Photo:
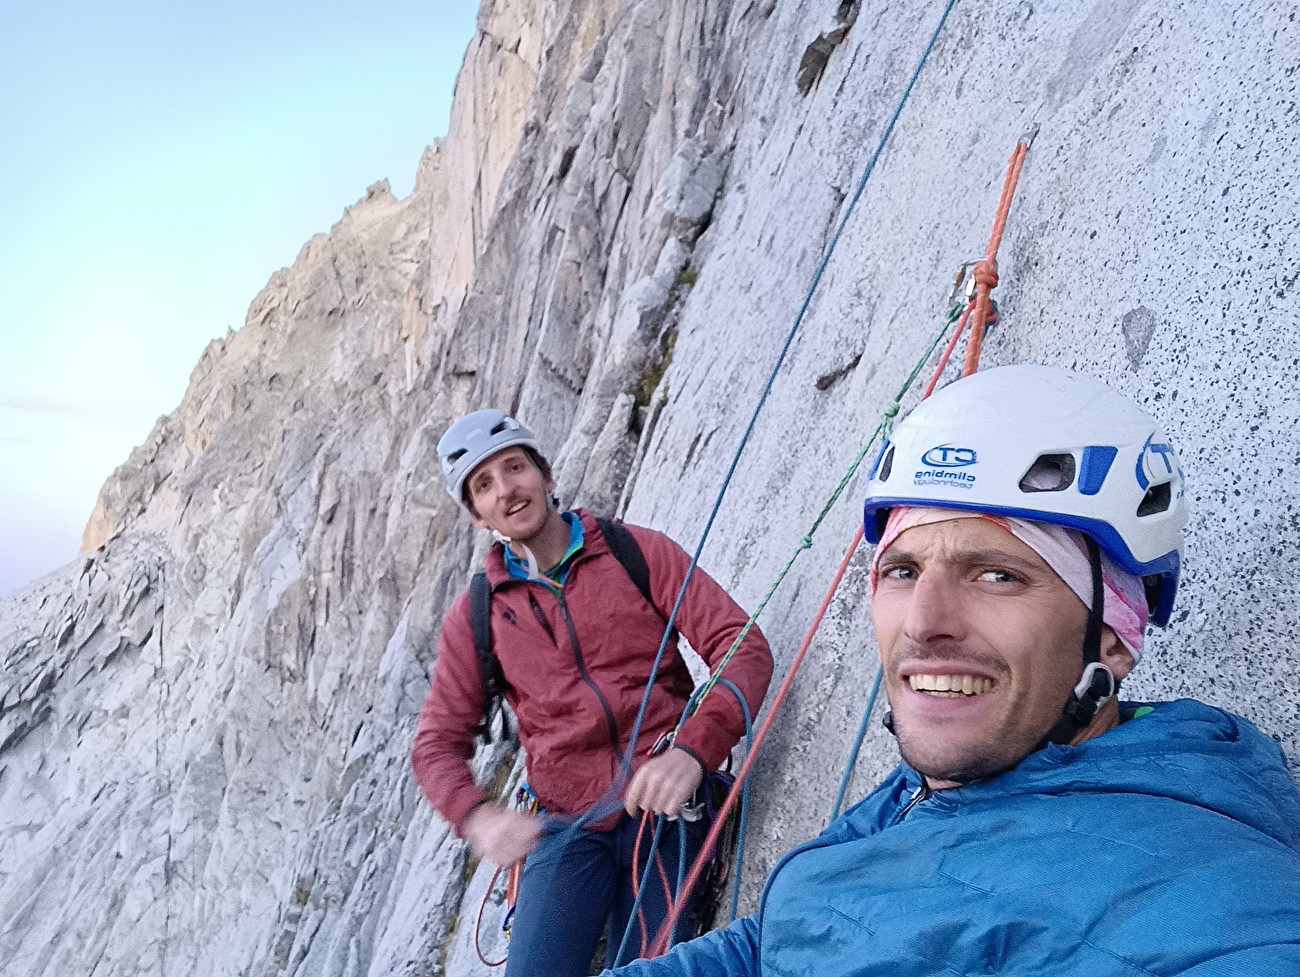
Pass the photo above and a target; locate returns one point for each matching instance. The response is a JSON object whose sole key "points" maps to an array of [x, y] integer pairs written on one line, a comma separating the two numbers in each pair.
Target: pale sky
{"points": [[158, 162]]}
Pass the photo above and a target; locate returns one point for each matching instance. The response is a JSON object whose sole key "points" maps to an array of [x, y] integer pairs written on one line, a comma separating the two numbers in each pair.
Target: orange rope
{"points": [[985, 272], [512, 884], [985, 275], [636, 877], [478, 923], [947, 352]]}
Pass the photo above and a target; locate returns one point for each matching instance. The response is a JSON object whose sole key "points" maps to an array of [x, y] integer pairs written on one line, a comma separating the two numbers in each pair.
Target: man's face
{"points": [[982, 644], [509, 494]]}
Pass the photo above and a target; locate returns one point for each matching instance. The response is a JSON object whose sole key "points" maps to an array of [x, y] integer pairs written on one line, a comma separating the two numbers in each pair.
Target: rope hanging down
{"points": [[611, 800], [660, 945], [767, 387], [984, 283]]}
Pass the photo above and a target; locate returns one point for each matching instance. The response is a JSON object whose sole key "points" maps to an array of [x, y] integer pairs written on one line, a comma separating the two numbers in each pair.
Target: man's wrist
{"points": [[704, 767], [471, 816]]}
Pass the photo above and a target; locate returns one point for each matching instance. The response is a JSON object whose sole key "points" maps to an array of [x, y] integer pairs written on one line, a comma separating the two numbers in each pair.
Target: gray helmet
{"points": [[475, 437]]}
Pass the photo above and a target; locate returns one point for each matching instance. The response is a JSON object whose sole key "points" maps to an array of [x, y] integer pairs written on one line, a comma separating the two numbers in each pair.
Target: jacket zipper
{"points": [[586, 677], [921, 794], [541, 618]]}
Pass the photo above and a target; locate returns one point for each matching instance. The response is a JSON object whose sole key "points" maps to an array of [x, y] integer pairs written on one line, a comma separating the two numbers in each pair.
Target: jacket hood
{"points": [[1183, 750]]}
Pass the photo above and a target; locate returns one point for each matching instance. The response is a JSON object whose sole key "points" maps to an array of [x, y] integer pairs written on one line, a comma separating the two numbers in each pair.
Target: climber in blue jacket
{"points": [[1028, 524]]}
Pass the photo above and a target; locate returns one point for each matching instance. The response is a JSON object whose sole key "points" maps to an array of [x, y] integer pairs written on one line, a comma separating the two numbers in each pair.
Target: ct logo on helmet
{"points": [[1157, 463], [946, 456]]}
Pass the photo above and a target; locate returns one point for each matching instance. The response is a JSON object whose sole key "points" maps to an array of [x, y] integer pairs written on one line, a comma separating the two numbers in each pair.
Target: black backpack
{"points": [[625, 549]]}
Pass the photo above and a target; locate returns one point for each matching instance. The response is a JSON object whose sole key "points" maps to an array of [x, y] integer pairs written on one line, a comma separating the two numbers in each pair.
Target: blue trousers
{"points": [[576, 884]]}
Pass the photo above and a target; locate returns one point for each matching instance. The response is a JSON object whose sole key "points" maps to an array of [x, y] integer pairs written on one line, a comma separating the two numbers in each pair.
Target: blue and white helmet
{"points": [[1049, 445], [474, 438]]}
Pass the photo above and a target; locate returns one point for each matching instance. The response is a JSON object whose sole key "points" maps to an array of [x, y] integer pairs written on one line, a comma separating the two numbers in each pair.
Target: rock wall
{"points": [[204, 722]]}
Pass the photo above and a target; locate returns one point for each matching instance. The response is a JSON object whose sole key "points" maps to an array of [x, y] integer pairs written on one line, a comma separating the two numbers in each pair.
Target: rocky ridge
{"points": [[204, 722]]}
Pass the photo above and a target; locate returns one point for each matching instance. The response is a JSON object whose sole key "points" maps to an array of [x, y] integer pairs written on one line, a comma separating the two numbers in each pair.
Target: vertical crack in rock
{"points": [[812, 65]]}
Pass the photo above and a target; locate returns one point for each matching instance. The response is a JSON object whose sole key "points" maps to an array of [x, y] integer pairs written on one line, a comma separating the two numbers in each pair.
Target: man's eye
{"points": [[898, 573], [999, 576]]}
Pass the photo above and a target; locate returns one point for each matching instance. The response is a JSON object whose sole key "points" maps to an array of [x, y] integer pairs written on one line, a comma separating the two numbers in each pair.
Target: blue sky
{"points": [[160, 161]]}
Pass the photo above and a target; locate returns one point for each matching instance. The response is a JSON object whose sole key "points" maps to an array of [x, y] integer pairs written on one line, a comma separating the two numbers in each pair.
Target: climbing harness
{"points": [[726, 854]]}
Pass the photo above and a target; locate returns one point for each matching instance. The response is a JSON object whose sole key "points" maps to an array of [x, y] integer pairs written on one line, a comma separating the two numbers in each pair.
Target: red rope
{"points": [[478, 923], [636, 880], [986, 278], [661, 941], [947, 352], [985, 272]]}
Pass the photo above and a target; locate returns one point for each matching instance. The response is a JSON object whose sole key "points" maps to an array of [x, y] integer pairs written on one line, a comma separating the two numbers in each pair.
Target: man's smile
{"points": [[950, 686]]}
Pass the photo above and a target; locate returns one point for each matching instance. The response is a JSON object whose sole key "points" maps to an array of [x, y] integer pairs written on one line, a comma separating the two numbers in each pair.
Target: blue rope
{"points": [[767, 387], [738, 861], [681, 870], [857, 744], [610, 800]]}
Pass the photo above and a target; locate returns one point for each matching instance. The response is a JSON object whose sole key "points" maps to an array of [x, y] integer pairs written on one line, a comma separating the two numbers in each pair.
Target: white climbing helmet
{"points": [[1049, 445], [475, 437]]}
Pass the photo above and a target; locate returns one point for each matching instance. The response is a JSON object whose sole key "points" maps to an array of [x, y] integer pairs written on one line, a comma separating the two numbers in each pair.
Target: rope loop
{"points": [[888, 417], [985, 273]]}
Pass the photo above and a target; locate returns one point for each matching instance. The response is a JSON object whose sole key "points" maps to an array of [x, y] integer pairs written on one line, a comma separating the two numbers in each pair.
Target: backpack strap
{"points": [[494, 682], [622, 544], [627, 551]]}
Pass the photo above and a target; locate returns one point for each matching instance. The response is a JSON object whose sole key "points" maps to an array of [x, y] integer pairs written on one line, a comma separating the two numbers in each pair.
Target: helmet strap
{"points": [[1098, 684], [534, 571]]}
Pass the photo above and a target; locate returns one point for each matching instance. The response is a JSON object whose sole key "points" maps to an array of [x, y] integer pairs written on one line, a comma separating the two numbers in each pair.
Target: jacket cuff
{"points": [[459, 809], [694, 756], [710, 751]]}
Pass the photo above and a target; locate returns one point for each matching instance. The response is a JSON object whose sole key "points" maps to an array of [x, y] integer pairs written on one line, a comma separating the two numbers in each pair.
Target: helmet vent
{"points": [[886, 464], [1050, 473], [456, 456], [499, 427], [1157, 499]]}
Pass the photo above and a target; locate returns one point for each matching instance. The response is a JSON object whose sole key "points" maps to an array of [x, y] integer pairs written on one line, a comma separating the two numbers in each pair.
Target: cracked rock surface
{"points": [[205, 720]]}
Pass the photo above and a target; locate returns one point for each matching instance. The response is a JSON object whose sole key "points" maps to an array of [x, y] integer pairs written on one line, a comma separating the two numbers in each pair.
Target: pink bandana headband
{"points": [[1125, 611]]}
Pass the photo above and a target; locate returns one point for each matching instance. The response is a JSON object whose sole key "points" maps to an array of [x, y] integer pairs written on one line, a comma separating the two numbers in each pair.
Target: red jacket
{"points": [[576, 667]]}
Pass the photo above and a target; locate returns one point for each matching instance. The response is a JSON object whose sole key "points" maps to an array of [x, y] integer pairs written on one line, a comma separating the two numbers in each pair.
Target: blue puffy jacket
{"points": [[1169, 845]]}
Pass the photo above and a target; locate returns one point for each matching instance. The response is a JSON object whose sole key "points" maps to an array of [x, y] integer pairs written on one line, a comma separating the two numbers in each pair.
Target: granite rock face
{"points": [[204, 723]]}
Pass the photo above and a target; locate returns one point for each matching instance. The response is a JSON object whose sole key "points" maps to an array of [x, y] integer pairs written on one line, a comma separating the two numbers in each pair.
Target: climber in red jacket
{"points": [[575, 638]]}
